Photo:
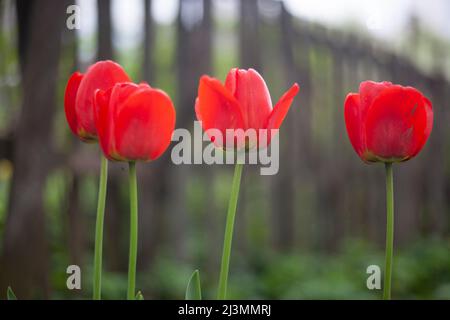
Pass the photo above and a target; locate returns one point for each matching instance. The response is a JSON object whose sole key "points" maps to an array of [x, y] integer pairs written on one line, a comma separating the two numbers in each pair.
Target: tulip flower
{"points": [[243, 102], [388, 123], [134, 123], [79, 95], [79, 109]]}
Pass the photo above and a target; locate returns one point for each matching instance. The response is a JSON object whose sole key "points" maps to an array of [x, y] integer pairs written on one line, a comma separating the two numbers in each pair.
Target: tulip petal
{"points": [[231, 80], [369, 91], [70, 96], [278, 114], [144, 125], [120, 94], [429, 124], [108, 105], [354, 124], [101, 75], [281, 109], [250, 89], [101, 105], [217, 108], [398, 124]]}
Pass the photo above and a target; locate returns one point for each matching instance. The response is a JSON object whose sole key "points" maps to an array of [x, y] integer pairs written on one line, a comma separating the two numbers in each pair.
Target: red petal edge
{"points": [[70, 96]]}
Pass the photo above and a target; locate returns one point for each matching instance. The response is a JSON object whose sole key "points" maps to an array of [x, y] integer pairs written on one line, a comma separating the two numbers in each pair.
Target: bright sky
{"points": [[384, 18]]}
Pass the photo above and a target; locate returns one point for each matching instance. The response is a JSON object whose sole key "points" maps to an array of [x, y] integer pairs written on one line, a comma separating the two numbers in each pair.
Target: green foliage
{"points": [[193, 289], [6, 169], [164, 60], [10, 89], [420, 272], [166, 279], [139, 296], [10, 294]]}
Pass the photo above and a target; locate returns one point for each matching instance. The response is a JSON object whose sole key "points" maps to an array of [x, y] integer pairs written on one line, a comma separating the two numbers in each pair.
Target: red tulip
{"points": [[134, 122], [79, 95], [386, 122], [242, 103]]}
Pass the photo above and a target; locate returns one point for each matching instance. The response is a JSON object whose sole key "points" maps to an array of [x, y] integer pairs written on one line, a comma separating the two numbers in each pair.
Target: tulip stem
{"points": [[133, 232], [98, 251], [232, 204], [389, 231]]}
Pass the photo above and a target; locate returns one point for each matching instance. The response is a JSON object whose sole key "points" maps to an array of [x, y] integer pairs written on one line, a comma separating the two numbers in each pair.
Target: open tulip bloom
{"points": [[388, 123], [242, 103], [134, 123], [79, 109]]}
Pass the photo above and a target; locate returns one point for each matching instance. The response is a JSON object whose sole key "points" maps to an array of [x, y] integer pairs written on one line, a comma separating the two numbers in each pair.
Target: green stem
{"points": [[389, 231], [133, 232], [99, 229], [229, 232]]}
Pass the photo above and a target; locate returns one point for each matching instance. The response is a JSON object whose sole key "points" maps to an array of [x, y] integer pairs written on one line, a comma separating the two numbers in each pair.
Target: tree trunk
{"points": [[193, 59], [24, 263], [148, 41], [105, 47], [249, 35], [283, 184]]}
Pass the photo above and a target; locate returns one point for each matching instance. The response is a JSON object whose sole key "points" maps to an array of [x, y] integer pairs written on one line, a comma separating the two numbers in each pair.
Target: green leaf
{"points": [[194, 290], [139, 296], [10, 294]]}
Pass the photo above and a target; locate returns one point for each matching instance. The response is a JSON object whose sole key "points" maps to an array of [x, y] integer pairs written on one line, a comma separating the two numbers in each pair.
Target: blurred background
{"points": [[308, 232]]}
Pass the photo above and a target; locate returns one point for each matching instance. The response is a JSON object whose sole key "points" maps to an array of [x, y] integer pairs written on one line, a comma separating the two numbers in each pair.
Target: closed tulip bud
{"points": [[387, 122], [79, 95], [134, 122]]}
